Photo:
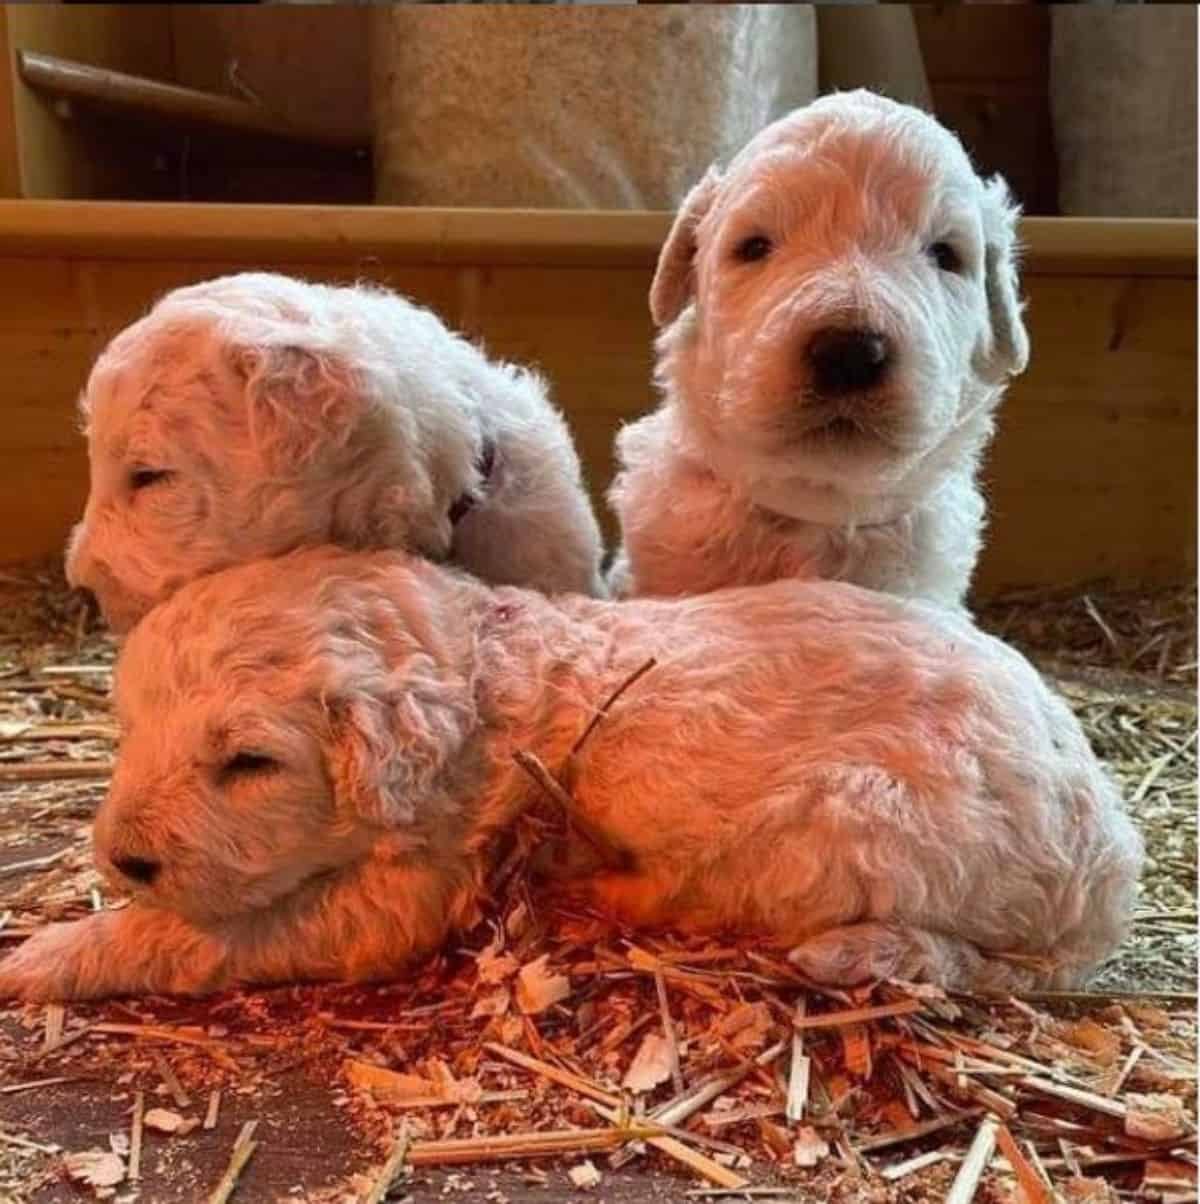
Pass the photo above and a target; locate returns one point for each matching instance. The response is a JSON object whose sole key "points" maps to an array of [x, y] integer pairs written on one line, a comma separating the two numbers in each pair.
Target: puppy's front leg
{"points": [[137, 950]]}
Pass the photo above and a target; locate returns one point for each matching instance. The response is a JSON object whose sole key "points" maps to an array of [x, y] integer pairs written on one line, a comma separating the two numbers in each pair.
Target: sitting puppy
{"points": [[839, 319], [254, 414], [318, 752]]}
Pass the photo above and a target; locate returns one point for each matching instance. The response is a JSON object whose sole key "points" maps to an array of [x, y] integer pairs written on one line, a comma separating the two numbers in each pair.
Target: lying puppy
{"points": [[318, 752], [839, 320], [253, 414]]}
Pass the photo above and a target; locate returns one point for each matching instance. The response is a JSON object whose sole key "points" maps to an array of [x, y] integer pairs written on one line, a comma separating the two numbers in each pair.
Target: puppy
{"points": [[839, 319], [318, 756], [253, 414]]}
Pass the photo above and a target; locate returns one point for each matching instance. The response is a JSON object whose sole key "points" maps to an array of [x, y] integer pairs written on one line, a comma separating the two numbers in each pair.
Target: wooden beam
{"points": [[544, 238], [66, 79]]}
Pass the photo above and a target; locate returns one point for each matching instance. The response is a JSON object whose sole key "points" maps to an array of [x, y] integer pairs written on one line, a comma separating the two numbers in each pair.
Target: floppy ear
{"points": [[1007, 352], [389, 753], [674, 280], [299, 395]]}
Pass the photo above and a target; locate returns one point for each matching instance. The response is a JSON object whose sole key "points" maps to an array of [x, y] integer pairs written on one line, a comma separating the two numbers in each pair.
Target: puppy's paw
{"points": [[59, 962]]}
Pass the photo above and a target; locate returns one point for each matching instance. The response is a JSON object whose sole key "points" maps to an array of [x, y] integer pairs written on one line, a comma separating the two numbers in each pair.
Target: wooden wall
{"points": [[1093, 472]]}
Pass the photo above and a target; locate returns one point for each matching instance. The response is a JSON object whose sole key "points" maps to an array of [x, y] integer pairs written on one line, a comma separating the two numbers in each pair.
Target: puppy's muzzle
{"points": [[842, 361]]}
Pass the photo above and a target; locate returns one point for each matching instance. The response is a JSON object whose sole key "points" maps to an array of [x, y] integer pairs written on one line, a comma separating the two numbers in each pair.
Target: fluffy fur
{"points": [[317, 753], [750, 470], [253, 414]]}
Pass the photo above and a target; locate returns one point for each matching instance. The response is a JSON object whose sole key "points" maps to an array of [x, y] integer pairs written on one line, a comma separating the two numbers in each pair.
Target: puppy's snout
{"points": [[138, 869], [847, 360]]}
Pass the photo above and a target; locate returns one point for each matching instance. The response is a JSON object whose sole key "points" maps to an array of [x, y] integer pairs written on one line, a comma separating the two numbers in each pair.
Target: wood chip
{"points": [[243, 1148], [214, 1108], [96, 1168], [585, 1176], [809, 1147], [181, 1097], [538, 988], [135, 1136], [903, 1007], [966, 1182], [389, 1173], [1155, 1118], [651, 1065], [163, 1120], [1033, 1189], [910, 1166]]}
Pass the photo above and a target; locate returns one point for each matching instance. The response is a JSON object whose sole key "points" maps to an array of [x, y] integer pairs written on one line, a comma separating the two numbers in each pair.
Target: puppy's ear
{"points": [[1007, 352], [299, 395], [674, 280], [389, 753]]}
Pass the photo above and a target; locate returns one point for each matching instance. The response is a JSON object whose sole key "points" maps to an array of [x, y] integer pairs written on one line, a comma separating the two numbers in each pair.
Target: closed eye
{"points": [[143, 478], [247, 765]]}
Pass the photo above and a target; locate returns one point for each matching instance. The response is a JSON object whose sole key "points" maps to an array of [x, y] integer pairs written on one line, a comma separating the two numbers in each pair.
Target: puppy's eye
{"points": [[247, 765], [945, 256], [752, 249], [143, 478]]}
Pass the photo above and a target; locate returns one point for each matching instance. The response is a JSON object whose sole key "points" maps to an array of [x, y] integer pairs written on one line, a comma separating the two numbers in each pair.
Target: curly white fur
{"points": [[253, 414], [749, 471], [318, 751]]}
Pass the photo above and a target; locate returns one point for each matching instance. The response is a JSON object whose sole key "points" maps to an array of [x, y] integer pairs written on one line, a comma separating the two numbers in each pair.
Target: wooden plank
{"points": [[349, 235]]}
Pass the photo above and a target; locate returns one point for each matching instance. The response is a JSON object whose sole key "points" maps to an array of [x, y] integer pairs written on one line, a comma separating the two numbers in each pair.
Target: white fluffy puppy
{"points": [[318, 751], [253, 414], [839, 319]]}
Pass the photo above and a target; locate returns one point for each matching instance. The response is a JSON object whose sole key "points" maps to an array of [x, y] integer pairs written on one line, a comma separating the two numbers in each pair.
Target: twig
{"points": [[664, 1007], [56, 1016], [598, 717], [14, 1088], [563, 1077], [797, 1093], [901, 1170], [242, 1149], [903, 1007], [1084, 1099], [1032, 1187], [669, 1144], [388, 1173], [466, 1150], [135, 1137], [925, 1129], [181, 1097], [966, 1182], [54, 771], [34, 863], [611, 856]]}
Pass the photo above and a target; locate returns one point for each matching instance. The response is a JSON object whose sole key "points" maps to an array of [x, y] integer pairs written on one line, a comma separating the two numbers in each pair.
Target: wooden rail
{"points": [[150, 98], [547, 238]]}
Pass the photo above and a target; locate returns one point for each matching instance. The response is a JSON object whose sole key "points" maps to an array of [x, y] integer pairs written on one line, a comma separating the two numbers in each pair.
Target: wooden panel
{"points": [[67, 158], [1092, 474], [307, 64], [988, 68]]}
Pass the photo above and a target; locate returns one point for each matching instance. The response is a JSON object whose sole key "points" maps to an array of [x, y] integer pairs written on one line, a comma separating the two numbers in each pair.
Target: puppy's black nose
{"points": [[139, 869], [847, 361]]}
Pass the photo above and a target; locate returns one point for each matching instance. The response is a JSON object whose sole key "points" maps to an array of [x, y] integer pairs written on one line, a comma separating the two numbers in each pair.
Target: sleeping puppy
{"points": [[254, 414], [839, 319], [318, 756]]}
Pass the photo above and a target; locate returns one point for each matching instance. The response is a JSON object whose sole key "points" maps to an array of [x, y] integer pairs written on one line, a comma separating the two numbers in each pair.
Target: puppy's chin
{"points": [[209, 906]]}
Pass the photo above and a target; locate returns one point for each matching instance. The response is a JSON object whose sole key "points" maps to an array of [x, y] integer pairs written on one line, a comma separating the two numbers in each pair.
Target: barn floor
{"points": [[1098, 1091]]}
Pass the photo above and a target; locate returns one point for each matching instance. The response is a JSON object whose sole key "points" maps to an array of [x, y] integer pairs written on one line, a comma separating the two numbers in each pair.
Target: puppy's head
{"points": [[279, 717], [241, 418], [841, 299]]}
